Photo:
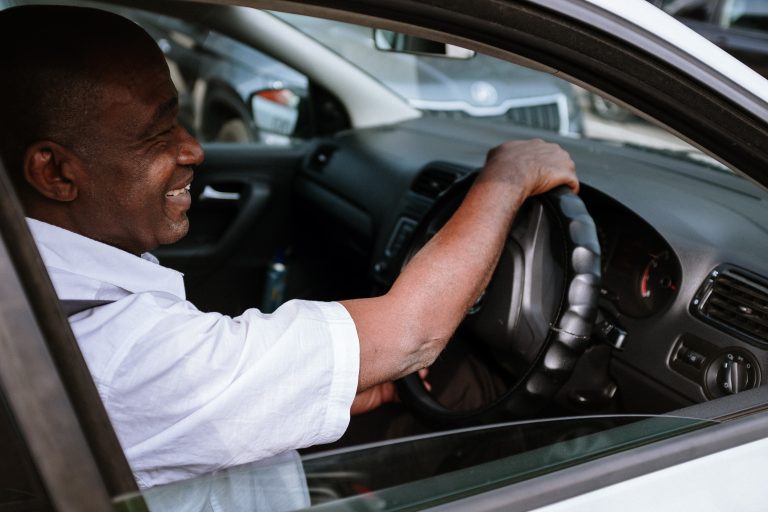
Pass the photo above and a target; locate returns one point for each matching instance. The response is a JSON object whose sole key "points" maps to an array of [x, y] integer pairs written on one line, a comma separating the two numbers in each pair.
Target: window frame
{"points": [[50, 394]]}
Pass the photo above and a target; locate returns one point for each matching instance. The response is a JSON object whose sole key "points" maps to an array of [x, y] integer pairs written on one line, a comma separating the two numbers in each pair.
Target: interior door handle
{"points": [[211, 194]]}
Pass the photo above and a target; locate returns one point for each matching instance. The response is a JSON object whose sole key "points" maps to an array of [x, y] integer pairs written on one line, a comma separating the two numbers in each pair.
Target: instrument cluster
{"points": [[641, 273]]}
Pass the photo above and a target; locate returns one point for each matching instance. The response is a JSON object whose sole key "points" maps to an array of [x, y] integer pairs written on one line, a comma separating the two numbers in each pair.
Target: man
{"points": [[103, 168]]}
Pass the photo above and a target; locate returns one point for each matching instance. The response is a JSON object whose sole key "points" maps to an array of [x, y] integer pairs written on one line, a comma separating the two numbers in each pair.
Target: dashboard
{"points": [[665, 225]]}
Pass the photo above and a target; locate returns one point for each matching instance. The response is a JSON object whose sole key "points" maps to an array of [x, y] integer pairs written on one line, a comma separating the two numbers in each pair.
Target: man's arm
{"points": [[405, 329]]}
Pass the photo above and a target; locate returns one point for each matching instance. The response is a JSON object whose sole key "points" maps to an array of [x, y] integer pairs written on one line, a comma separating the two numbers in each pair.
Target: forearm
{"points": [[432, 294], [406, 329], [446, 277]]}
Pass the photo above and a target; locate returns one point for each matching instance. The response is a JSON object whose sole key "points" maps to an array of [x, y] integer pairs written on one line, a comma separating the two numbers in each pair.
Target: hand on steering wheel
{"points": [[538, 310]]}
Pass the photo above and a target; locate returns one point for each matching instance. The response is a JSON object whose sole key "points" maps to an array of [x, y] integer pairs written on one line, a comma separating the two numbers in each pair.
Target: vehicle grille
{"points": [[736, 301], [432, 181], [544, 116]]}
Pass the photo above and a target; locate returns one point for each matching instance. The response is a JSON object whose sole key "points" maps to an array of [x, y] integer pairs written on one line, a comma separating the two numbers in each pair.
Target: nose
{"points": [[190, 150]]}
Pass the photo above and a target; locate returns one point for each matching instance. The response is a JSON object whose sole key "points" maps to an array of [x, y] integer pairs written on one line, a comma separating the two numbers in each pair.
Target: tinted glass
{"points": [[418, 472]]}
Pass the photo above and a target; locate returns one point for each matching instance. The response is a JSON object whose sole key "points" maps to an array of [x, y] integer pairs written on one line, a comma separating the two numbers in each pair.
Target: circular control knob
{"points": [[730, 372], [733, 376]]}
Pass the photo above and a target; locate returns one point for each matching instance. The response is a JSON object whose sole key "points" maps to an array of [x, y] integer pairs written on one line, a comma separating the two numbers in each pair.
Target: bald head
{"points": [[56, 61]]}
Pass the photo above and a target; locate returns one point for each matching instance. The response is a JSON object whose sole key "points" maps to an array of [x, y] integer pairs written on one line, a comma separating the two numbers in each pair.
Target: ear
{"points": [[52, 170]]}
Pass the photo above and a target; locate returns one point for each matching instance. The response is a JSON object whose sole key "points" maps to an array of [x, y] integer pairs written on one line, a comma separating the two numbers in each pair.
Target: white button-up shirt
{"points": [[190, 392]]}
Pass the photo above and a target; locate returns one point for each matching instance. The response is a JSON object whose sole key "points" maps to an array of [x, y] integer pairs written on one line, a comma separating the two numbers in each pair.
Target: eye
{"points": [[168, 131], [163, 136]]}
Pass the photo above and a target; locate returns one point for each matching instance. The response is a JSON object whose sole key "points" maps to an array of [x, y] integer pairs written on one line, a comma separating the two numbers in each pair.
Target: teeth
{"points": [[174, 193], [188, 187]]}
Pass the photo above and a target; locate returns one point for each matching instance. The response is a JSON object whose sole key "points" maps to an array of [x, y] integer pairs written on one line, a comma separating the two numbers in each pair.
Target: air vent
{"points": [[432, 181], [736, 301]]}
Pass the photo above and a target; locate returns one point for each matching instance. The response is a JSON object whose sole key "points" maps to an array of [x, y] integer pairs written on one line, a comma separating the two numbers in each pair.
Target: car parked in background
{"points": [[222, 82], [465, 84], [231, 92], [740, 27]]}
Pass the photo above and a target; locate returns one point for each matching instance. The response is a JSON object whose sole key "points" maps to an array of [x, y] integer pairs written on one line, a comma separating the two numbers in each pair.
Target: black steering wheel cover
{"points": [[567, 338]]}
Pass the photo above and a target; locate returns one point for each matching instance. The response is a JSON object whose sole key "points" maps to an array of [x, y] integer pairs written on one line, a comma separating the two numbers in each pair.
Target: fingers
{"points": [[423, 376], [373, 397], [535, 165]]}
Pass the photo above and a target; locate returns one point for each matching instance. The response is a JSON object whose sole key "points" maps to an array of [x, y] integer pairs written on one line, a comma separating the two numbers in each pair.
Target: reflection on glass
{"points": [[414, 472]]}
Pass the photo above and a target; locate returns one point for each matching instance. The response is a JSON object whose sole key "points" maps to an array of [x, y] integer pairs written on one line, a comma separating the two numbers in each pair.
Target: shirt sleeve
{"points": [[191, 392]]}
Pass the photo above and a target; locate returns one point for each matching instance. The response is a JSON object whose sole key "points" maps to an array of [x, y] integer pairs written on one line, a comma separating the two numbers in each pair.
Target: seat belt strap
{"points": [[72, 307]]}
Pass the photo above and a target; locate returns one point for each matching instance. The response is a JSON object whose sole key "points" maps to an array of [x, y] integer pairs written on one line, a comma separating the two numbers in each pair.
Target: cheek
{"points": [[136, 188], [161, 169], [148, 182]]}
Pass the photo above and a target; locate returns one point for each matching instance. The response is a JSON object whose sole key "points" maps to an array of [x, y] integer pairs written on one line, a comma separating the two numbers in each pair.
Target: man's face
{"points": [[136, 195]]}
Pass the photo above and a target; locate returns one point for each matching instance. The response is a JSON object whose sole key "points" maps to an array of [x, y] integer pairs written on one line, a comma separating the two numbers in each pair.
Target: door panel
{"points": [[239, 222]]}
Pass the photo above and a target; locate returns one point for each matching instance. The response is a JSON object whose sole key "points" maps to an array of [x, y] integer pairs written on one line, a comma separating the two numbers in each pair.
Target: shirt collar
{"points": [[73, 253]]}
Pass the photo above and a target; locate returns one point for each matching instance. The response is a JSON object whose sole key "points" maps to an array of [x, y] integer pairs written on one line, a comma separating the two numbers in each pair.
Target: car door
{"points": [[239, 223]]}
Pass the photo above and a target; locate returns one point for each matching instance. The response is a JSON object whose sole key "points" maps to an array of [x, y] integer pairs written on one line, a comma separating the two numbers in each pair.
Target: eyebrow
{"points": [[160, 114]]}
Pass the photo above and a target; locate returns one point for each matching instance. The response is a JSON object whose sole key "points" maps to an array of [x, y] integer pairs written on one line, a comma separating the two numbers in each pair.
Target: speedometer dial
{"points": [[658, 282], [641, 273]]}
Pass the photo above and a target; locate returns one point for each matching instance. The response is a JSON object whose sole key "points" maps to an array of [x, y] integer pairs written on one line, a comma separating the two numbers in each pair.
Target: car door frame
{"points": [[45, 382]]}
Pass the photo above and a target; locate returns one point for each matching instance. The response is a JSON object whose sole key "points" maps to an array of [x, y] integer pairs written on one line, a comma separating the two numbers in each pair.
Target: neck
{"points": [[65, 220]]}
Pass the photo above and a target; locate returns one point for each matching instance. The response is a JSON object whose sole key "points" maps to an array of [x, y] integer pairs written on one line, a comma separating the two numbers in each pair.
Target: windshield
{"points": [[482, 87], [416, 472], [473, 85], [256, 98]]}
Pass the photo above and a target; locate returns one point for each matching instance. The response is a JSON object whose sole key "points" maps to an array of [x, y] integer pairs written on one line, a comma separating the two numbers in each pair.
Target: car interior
{"points": [[680, 250], [647, 294], [341, 206]]}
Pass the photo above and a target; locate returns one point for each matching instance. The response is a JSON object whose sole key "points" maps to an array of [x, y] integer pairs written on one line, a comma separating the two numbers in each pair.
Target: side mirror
{"points": [[275, 114], [388, 41]]}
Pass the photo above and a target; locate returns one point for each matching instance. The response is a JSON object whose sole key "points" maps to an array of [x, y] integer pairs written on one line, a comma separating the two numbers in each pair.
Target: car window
{"points": [[479, 86], [230, 92], [695, 10], [746, 14], [422, 471], [495, 91]]}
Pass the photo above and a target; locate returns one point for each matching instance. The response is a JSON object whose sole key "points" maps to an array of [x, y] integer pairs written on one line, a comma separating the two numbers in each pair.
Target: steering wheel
{"points": [[537, 313]]}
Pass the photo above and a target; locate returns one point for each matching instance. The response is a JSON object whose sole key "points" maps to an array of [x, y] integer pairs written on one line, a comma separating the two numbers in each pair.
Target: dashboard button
{"points": [[731, 372]]}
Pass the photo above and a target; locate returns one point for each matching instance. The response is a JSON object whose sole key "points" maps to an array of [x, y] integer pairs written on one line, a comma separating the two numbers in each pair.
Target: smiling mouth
{"points": [[178, 191]]}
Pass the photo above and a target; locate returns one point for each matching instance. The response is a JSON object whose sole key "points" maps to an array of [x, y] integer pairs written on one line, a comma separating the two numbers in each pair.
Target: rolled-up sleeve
{"points": [[191, 392]]}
